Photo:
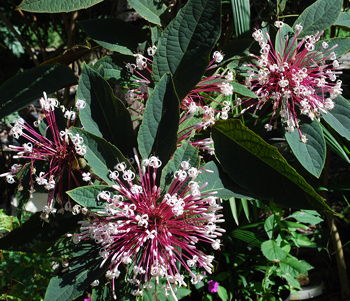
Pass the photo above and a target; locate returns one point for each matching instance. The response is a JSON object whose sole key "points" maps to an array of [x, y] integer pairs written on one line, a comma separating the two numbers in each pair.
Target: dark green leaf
{"points": [[339, 117], [86, 196], [35, 235], [241, 16], [108, 69], [186, 43], [343, 20], [294, 267], [104, 114], [246, 236], [158, 131], [100, 154], [114, 34], [28, 86], [216, 183], [319, 16], [55, 6], [270, 225], [184, 153], [83, 270], [272, 251], [259, 168], [151, 10], [281, 38], [243, 90], [312, 154]]}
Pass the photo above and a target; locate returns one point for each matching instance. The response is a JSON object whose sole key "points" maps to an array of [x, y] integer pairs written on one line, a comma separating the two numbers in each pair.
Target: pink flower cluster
{"points": [[298, 79], [150, 234]]}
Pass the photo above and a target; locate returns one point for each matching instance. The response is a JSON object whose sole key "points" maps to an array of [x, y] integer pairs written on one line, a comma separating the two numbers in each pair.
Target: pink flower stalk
{"points": [[213, 286], [202, 102], [151, 233], [301, 79], [58, 149]]}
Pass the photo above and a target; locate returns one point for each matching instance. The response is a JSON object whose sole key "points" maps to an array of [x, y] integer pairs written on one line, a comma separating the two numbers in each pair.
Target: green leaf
{"points": [[339, 117], [293, 266], [243, 90], [241, 16], [259, 168], [108, 69], [28, 86], [312, 154], [158, 131], [233, 206], [281, 38], [186, 43], [149, 9], [114, 34], [35, 235], [86, 196], [55, 6], [272, 251], [343, 20], [307, 217], [319, 16], [100, 154], [246, 236], [186, 152], [222, 293], [334, 145], [83, 269], [216, 182], [342, 48], [104, 114], [270, 225]]}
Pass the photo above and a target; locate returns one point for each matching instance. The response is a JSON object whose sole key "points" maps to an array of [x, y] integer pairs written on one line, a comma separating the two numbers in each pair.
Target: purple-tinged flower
{"points": [[200, 107], [149, 232], [299, 79], [57, 150], [213, 286]]}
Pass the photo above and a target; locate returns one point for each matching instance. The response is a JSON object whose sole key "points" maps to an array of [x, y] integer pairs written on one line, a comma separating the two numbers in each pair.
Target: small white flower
{"points": [[226, 89], [325, 45], [86, 176], [10, 179], [279, 24], [80, 104], [298, 28], [218, 56], [151, 50], [95, 283]]}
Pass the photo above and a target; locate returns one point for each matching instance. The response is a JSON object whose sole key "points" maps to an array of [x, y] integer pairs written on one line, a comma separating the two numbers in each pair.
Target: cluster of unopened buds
{"points": [[146, 232], [299, 78]]}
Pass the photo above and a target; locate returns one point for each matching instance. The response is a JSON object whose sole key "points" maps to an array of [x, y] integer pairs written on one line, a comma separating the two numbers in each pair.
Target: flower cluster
{"points": [[299, 78], [58, 149], [150, 234], [203, 101]]}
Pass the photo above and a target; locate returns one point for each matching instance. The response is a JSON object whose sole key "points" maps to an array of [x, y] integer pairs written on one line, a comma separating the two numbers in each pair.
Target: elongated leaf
{"points": [[241, 16], [185, 44], [312, 154], [86, 196], [28, 86], [55, 6], [343, 20], [184, 153], [281, 38], [319, 15], [216, 183], [259, 167], [104, 114], [158, 131], [334, 145], [293, 266], [35, 235], [114, 34], [339, 117], [246, 236], [82, 271], [243, 90], [272, 251], [150, 10], [307, 217], [108, 69], [234, 211], [100, 154]]}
